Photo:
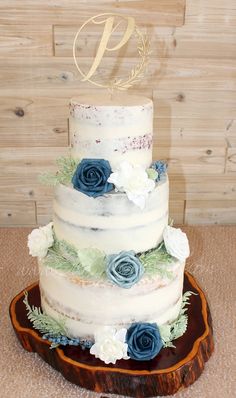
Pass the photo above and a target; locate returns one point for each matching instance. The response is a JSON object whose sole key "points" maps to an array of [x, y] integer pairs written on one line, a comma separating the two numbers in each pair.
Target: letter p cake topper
{"points": [[109, 24]]}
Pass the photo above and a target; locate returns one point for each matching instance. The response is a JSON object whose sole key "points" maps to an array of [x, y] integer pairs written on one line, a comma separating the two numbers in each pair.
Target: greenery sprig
{"points": [[173, 331], [66, 170], [42, 322], [155, 261], [137, 73], [63, 256], [57, 331], [90, 263], [86, 263]]}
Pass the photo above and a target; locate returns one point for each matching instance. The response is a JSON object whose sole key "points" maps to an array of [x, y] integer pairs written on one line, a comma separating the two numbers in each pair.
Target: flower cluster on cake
{"points": [[111, 266]]}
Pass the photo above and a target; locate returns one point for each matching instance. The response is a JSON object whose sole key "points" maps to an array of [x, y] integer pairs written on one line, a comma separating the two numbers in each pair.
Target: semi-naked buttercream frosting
{"points": [[110, 222], [89, 305], [114, 128]]}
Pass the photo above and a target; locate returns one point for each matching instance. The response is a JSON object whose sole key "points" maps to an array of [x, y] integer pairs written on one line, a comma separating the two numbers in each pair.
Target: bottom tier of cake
{"points": [[88, 305], [171, 371]]}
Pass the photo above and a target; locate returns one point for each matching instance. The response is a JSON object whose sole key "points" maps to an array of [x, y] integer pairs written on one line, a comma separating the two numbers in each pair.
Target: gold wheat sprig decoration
{"points": [[138, 71]]}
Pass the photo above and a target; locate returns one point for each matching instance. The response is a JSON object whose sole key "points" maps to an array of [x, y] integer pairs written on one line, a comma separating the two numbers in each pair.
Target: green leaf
{"points": [[152, 174], [186, 301], [63, 256], [93, 261], [44, 323], [86, 263], [67, 167], [54, 345], [48, 179], [156, 260], [165, 332], [177, 328]]}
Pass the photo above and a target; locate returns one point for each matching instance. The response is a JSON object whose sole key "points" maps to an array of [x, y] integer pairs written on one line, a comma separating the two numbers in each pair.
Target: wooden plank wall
{"points": [[192, 80]]}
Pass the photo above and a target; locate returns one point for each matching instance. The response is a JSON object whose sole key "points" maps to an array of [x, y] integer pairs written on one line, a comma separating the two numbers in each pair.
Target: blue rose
{"points": [[160, 167], [144, 341], [124, 269], [91, 177]]}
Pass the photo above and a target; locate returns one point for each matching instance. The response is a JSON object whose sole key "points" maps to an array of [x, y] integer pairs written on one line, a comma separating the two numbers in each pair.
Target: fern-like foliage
{"points": [[173, 331], [86, 263], [155, 261], [42, 322], [90, 263], [186, 301], [138, 71], [63, 256], [66, 169]]}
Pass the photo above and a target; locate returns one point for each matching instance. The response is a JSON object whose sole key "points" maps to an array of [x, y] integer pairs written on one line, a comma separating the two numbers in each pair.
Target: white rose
{"points": [[134, 181], [110, 345], [39, 241], [176, 243]]}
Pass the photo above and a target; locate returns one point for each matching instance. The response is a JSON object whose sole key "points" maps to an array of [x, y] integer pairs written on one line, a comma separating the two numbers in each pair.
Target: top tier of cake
{"points": [[113, 128]]}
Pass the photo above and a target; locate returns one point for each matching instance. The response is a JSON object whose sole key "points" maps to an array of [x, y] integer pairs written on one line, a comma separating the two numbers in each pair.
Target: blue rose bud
{"points": [[160, 167], [144, 341], [91, 177], [124, 269]]}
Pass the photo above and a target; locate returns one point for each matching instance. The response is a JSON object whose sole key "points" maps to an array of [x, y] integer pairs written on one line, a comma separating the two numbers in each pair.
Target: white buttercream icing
{"points": [[111, 223], [116, 129], [89, 306]]}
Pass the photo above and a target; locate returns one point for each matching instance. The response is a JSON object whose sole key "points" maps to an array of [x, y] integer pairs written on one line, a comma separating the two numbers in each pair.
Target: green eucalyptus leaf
{"points": [[152, 174], [93, 261]]}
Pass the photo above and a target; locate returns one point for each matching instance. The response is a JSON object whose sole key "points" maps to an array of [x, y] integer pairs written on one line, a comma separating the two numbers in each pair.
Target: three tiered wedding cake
{"points": [[111, 268]]}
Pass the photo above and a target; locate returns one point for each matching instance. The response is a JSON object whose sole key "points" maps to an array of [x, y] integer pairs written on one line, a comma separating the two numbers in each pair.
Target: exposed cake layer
{"points": [[111, 222], [89, 305], [116, 129]]}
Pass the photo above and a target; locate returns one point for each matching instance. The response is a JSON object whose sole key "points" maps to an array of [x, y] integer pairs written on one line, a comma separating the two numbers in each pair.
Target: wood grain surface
{"points": [[170, 371]]}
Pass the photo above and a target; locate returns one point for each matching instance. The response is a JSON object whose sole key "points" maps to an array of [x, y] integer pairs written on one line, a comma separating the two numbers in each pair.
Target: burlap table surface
{"points": [[213, 263]]}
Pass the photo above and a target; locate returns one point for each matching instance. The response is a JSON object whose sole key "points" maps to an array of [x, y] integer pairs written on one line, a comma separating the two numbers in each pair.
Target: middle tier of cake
{"points": [[110, 223]]}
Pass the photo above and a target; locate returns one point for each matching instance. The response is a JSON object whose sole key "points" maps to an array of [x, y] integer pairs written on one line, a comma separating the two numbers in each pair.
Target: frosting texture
{"points": [[116, 129], [110, 223], [89, 305], [107, 217]]}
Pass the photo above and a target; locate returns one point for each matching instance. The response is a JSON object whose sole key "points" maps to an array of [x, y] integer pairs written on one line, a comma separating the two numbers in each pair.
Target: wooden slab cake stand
{"points": [[172, 370]]}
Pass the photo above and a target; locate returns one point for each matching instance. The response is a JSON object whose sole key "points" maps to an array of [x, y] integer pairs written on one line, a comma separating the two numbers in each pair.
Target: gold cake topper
{"points": [[109, 20]]}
